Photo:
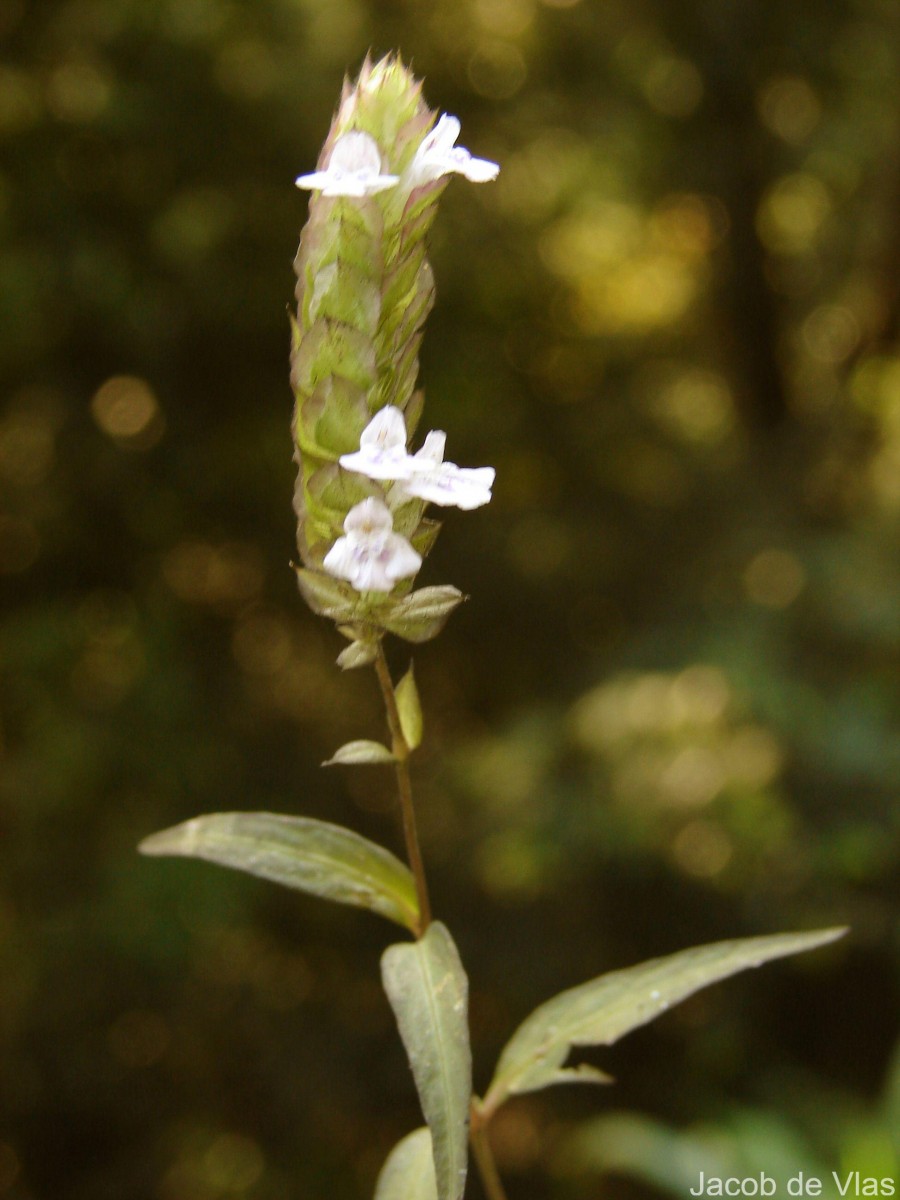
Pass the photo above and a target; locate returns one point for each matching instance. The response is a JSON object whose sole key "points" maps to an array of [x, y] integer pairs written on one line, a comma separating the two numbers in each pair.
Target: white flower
{"points": [[424, 475], [382, 448], [438, 155], [354, 169], [445, 483], [371, 557]]}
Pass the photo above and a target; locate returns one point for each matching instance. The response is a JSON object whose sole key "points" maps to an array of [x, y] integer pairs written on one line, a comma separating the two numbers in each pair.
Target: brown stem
{"points": [[484, 1155], [400, 750]]}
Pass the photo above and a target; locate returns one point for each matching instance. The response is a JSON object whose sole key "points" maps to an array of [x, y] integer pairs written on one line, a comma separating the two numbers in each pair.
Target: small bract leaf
{"points": [[325, 595], [408, 1173], [353, 754], [357, 654], [600, 1012], [312, 856], [410, 709], [421, 615], [428, 991]]}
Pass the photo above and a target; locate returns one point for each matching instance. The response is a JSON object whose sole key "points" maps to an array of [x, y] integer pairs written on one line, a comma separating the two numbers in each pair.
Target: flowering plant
{"points": [[364, 290]]}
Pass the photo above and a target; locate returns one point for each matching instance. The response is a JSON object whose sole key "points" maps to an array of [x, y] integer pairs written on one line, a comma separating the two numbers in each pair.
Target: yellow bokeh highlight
{"points": [[112, 660], [497, 69], [875, 387], [505, 18], [214, 1166], [793, 213], [223, 575], [647, 292], [686, 770], [697, 405], [789, 107], [631, 272], [651, 702], [126, 409], [774, 578], [79, 91], [194, 225], [831, 333], [702, 849], [510, 867], [534, 177], [234, 1163], [673, 86]]}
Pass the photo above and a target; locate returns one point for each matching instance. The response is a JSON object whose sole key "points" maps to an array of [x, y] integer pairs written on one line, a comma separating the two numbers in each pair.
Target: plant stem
{"points": [[484, 1155], [400, 750]]}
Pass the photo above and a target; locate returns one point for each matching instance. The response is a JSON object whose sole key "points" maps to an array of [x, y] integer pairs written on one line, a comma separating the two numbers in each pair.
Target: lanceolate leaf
{"points": [[428, 991], [408, 1173], [312, 856], [600, 1012]]}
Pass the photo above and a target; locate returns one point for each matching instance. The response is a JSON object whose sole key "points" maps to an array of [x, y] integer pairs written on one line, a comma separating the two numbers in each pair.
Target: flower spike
{"points": [[364, 290]]}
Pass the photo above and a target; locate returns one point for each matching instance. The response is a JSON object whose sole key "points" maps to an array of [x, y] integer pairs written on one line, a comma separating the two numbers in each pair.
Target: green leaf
{"points": [[428, 991], [410, 709], [600, 1012], [357, 654], [353, 754], [421, 615], [326, 596], [312, 856], [408, 1173]]}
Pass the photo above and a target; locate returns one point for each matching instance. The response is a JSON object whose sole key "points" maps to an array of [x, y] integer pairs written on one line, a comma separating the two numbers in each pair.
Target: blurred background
{"points": [[666, 716]]}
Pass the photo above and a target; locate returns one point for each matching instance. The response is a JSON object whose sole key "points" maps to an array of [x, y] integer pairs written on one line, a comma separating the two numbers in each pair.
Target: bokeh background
{"points": [[668, 713]]}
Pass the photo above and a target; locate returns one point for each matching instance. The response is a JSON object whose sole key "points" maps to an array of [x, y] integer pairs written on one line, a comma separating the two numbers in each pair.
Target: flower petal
{"points": [[371, 557], [404, 560], [432, 451], [387, 428], [438, 155], [451, 486], [382, 448], [476, 170], [354, 169], [368, 518]]}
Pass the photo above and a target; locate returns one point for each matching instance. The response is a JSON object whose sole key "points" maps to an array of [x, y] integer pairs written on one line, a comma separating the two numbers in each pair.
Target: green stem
{"points": [[401, 752], [484, 1155]]}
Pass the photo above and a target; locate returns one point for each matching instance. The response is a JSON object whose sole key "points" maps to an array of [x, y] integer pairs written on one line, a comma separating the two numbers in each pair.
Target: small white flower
{"points": [[438, 155], [382, 455], [382, 448], [354, 169], [445, 483], [371, 557]]}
